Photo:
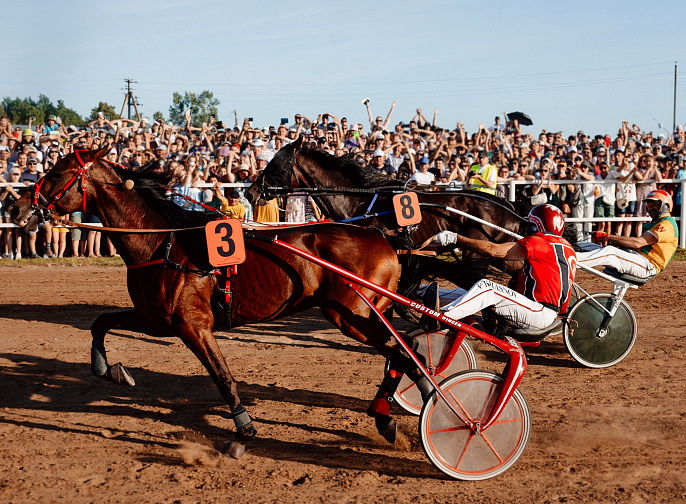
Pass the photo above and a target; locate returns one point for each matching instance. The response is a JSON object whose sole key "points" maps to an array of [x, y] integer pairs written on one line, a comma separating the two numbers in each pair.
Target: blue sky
{"points": [[570, 66]]}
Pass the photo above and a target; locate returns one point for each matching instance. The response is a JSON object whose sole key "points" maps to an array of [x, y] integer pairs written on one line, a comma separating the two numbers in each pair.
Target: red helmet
{"points": [[665, 199], [546, 219]]}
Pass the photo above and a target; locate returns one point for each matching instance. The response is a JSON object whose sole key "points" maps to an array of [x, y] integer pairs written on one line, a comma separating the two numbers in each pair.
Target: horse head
{"points": [[278, 173], [64, 188]]}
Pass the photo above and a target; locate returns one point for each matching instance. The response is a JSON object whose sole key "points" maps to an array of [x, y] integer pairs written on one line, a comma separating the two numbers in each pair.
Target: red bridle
{"points": [[81, 172]]}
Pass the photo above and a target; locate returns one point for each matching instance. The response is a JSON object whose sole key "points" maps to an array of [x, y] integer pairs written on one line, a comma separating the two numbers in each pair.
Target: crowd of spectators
{"points": [[199, 159]]}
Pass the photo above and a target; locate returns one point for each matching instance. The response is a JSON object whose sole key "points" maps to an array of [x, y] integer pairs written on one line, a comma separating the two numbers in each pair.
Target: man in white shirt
{"points": [[423, 176]]}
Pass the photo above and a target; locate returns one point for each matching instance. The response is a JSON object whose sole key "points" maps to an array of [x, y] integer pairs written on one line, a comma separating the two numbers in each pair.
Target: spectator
{"points": [[502, 189], [423, 176], [583, 206], [8, 196], [604, 205], [378, 123], [626, 191], [378, 163], [482, 176]]}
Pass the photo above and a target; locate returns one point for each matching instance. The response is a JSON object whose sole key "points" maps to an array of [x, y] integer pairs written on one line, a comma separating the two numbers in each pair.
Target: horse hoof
{"points": [[119, 374], [387, 427], [234, 450]]}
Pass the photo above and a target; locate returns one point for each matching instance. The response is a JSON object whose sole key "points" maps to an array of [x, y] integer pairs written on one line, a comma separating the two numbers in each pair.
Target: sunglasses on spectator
{"points": [[31, 162]]}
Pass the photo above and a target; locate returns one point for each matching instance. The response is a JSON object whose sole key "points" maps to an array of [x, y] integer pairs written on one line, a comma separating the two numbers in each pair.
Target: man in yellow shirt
{"points": [[651, 252], [483, 176], [233, 206]]}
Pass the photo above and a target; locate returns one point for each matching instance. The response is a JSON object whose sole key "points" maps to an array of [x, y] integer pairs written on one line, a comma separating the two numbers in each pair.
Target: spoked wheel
{"points": [[434, 346], [597, 348], [454, 448], [574, 295]]}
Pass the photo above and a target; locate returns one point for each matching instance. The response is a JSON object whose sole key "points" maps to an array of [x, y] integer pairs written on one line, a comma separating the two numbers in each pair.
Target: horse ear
{"points": [[101, 153], [298, 144]]}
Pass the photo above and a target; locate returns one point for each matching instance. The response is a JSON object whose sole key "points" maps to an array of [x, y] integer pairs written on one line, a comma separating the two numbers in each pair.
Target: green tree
{"points": [[107, 109], [157, 115], [19, 111], [202, 106]]}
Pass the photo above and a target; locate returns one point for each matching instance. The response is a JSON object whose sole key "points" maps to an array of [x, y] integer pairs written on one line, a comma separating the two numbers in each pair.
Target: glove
{"points": [[445, 238], [600, 238]]}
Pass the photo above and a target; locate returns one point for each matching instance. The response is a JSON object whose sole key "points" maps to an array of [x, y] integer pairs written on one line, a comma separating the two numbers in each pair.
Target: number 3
{"points": [[225, 245]]}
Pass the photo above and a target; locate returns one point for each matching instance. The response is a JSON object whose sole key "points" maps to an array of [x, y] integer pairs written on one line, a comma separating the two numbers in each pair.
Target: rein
{"points": [[122, 230]]}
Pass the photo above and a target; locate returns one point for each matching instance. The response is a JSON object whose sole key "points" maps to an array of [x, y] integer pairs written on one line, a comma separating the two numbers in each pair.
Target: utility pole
{"points": [[674, 114], [130, 100]]}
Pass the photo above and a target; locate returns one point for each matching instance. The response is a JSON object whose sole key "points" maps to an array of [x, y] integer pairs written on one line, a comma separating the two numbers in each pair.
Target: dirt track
{"points": [[613, 435]]}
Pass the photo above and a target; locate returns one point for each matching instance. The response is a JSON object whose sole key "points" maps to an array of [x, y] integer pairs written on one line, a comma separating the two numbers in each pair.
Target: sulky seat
{"points": [[626, 277]]}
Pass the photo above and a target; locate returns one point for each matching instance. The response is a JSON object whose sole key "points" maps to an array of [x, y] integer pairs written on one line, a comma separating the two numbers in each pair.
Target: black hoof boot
{"points": [[379, 410], [387, 427]]}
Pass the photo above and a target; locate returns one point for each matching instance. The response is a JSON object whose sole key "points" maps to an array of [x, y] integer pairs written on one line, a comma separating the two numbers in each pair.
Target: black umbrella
{"points": [[521, 117]]}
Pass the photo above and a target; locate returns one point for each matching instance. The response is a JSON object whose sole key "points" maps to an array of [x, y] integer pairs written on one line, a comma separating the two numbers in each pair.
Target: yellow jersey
{"points": [[667, 233]]}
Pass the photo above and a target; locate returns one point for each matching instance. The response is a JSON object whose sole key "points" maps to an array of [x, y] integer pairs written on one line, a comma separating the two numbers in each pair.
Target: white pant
{"points": [[630, 262], [584, 211], [517, 309]]}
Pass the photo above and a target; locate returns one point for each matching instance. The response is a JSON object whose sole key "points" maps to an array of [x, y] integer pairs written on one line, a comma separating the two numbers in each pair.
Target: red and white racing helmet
{"points": [[546, 219], [663, 197]]}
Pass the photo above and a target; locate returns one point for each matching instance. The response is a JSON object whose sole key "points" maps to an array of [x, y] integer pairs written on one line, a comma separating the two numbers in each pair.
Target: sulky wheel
{"points": [[458, 451], [574, 295], [434, 346], [588, 343]]}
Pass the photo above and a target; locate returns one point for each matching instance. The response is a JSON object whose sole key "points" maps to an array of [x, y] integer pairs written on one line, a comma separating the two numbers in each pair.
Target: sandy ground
{"points": [[612, 435]]}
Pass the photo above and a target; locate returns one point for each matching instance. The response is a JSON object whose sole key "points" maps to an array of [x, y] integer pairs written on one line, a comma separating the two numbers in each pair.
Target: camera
{"points": [[471, 174], [250, 119]]}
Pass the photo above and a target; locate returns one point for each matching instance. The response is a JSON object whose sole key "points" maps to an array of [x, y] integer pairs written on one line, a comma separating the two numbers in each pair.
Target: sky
{"points": [[570, 66]]}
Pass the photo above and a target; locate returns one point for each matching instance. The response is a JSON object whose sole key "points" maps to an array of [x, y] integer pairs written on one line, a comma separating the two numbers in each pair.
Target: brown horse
{"points": [[355, 192], [175, 295]]}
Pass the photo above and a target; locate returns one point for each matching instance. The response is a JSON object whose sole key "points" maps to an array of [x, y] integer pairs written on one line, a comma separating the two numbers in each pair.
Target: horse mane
{"points": [[358, 175], [151, 187]]}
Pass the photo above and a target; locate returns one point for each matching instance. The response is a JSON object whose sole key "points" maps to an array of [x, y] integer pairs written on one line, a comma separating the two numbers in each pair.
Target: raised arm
{"points": [[369, 113], [388, 117]]}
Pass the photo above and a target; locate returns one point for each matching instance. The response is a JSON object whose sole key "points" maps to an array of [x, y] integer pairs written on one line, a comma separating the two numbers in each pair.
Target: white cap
{"points": [[378, 153]]}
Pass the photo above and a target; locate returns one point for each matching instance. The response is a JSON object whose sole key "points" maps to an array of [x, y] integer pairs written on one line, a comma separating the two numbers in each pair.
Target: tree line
{"points": [[21, 110]]}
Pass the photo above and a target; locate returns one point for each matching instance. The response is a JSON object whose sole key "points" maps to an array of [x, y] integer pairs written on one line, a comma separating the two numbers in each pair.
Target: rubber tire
{"points": [[588, 349], [458, 452], [407, 396]]}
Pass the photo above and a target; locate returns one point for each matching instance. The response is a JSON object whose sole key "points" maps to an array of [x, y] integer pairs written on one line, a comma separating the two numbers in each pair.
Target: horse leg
{"points": [[371, 331], [116, 373], [205, 347]]}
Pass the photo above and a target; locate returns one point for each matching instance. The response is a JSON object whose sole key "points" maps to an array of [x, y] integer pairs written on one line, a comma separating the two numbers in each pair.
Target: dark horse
{"points": [[295, 166], [179, 298]]}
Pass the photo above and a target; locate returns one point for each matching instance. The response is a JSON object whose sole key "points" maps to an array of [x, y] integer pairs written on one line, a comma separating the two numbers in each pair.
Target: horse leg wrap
{"points": [[244, 427], [98, 358]]}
